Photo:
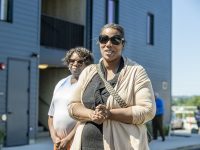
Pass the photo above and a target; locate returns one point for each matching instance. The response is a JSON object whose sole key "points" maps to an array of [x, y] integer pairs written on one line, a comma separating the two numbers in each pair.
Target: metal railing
{"points": [[58, 33]]}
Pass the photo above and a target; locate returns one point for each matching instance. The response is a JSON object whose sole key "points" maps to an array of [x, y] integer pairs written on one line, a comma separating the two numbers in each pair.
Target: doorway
{"points": [[17, 102]]}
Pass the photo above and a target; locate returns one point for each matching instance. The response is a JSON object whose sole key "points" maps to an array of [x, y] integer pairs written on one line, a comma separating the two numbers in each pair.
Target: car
{"points": [[177, 123]]}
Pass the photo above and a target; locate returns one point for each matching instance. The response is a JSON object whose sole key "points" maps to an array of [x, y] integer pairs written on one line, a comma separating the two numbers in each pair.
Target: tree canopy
{"points": [[187, 101]]}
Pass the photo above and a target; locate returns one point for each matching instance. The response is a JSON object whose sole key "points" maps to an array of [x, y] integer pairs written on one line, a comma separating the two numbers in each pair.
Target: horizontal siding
{"points": [[159, 55], [99, 10], [156, 59], [21, 35]]}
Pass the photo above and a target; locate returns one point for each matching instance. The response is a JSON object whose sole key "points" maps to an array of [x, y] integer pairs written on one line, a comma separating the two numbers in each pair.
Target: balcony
{"points": [[58, 33]]}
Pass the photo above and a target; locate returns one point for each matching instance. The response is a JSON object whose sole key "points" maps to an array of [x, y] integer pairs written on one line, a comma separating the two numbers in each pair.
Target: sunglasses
{"points": [[79, 62], [115, 40]]}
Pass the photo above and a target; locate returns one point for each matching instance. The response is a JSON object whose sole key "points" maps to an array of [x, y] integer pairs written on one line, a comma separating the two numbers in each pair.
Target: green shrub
{"points": [[166, 130]]}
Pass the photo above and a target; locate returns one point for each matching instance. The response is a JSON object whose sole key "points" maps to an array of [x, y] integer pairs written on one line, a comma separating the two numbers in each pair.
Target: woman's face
{"points": [[76, 65], [111, 50]]}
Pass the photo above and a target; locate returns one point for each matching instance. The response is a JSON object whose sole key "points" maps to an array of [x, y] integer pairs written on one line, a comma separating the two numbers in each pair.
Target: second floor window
{"points": [[112, 11], [6, 10], [150, 29]]}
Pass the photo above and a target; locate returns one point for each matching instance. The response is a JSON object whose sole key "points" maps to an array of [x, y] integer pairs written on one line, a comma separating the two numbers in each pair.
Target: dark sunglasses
{"points": [[79, 62], [116, 39]]}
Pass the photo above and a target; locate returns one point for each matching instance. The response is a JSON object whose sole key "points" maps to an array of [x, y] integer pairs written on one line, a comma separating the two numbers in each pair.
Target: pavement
{"points": [[177, 140], [43, 143]]}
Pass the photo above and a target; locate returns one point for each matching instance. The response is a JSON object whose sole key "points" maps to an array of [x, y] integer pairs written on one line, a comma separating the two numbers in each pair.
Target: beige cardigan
{"points": [[135, 88]]}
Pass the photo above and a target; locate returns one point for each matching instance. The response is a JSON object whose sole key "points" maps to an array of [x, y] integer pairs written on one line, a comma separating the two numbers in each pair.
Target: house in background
{"points": [[34, 36]]}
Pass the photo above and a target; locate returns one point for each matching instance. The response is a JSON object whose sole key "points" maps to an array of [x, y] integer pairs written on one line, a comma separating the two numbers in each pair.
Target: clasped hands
{"points": [[100, 114], [61, 144]]}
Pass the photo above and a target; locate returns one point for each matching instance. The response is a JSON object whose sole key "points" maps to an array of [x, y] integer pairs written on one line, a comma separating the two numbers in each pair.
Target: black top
{"points": [[95, 94]]}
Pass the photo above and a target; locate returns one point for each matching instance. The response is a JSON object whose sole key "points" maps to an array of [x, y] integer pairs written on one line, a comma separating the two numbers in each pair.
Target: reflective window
{"points": [[112, 11]]}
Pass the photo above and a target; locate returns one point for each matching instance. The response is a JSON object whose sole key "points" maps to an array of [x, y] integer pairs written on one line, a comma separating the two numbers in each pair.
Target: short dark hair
{"points": [[82, 52], [117, 27]]}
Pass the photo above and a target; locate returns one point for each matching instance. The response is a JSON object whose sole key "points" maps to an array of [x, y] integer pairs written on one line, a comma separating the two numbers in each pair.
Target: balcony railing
{"points": [[60, 34]]}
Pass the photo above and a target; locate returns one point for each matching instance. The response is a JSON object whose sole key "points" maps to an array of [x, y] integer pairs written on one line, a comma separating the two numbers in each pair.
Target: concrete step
{"points": [[40, 128], [43, 134]]}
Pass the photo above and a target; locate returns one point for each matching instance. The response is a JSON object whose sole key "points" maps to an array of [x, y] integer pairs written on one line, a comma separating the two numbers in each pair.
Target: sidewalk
{"points": [[179, 140], [40, 144]]}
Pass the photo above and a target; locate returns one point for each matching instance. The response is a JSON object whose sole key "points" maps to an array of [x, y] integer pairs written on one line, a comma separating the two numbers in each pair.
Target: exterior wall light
{"points": [[43, 66], [4, 117], [2, 66]]}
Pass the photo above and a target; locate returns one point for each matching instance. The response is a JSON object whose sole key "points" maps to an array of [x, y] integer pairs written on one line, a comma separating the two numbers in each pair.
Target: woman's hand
{"points": [[102, 110], [97, 118], [63, 144], [56, 140], [100, 114]]}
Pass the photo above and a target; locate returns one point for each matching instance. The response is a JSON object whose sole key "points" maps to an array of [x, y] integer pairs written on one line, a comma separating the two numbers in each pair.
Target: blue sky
{"points": [[185, 47]]}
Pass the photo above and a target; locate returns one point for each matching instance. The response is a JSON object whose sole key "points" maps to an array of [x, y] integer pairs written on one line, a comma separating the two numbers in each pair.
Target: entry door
{"points": [[17, 102]]}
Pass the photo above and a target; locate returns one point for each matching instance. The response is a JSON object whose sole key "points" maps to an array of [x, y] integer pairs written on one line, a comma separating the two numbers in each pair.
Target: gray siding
{"points": [[157, 58], [99, 12], [19, 39]]}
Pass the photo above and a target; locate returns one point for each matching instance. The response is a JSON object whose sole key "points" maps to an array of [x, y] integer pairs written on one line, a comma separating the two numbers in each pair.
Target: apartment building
{"points": [[34, 36]]}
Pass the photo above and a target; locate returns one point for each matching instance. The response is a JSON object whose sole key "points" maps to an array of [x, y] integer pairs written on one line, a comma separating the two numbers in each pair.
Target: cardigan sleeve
{"points": [[76, 94], [144, 108], [83, 80]]}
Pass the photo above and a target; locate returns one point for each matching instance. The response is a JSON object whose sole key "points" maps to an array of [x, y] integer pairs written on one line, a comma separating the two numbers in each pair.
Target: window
{"points": [[6, 10], [150, 29], [112, 11]]}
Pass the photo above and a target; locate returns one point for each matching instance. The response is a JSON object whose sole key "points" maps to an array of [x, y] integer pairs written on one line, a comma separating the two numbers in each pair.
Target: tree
{"points": [[187, 101]]}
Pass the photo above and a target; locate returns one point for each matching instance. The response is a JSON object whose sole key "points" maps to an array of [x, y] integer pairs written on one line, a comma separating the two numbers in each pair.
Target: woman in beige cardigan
{"points": [[105, 125]]}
